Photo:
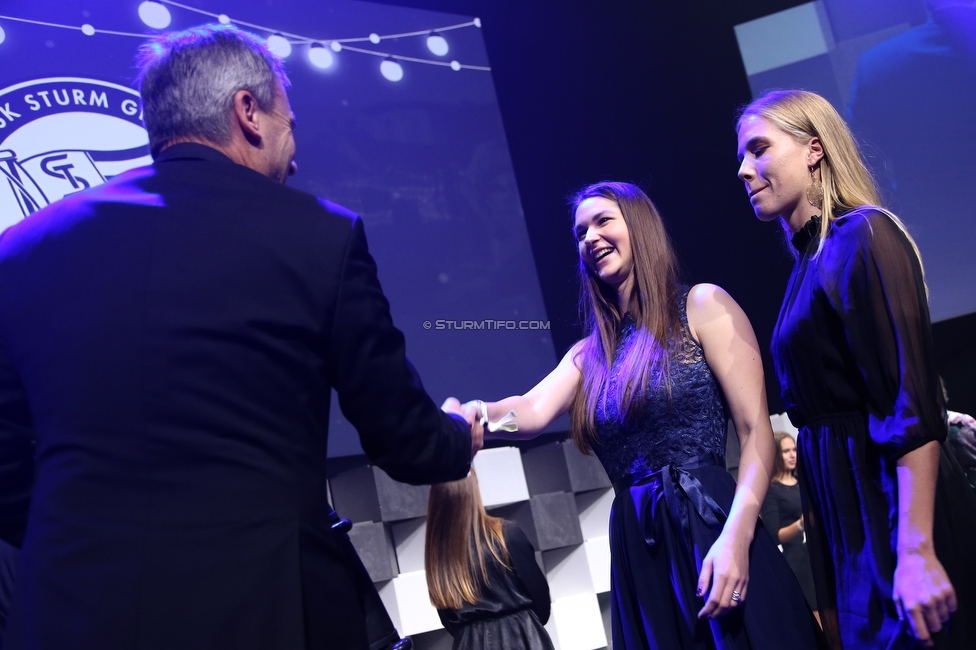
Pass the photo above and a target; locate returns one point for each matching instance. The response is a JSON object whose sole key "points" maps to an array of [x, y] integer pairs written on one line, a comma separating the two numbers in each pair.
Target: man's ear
{"points": [[815, 152], [246, 116]]}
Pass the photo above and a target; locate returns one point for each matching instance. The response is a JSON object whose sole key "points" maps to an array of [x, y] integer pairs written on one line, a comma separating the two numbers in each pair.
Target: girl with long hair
{"points": [[481, 573], [888, 518], [650, 389], [783, 515]]}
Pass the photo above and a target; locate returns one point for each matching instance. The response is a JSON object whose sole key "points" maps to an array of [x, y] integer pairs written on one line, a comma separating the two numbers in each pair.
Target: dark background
{"points": [[646, 91]]}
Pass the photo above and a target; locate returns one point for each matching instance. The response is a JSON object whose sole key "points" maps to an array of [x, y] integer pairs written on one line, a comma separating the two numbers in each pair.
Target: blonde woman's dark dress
{"points": [[853, 352]]}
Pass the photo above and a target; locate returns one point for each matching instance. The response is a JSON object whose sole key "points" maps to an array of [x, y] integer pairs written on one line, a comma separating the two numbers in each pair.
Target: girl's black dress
{"points": [[853, 352], [513, 607], [673, 495], [781, 508]]}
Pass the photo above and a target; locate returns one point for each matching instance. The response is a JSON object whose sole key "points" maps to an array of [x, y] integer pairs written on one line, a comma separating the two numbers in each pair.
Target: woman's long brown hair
{"points": [[655, 314], [460, 534]]}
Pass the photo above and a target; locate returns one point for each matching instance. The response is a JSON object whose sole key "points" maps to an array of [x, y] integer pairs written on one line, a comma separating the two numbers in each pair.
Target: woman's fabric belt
{"points": [[665, 483]]}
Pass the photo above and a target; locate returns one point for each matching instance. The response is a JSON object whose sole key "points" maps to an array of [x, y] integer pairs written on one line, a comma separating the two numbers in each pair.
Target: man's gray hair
{"points": [[188, 80]]}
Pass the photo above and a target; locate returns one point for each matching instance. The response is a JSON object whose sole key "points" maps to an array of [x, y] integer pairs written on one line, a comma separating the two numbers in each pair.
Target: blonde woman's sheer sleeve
{"points": [[874, 282]]}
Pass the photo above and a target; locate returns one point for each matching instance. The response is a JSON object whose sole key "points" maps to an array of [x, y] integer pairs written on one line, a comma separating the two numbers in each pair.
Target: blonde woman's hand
{"points": [[923, 594]]}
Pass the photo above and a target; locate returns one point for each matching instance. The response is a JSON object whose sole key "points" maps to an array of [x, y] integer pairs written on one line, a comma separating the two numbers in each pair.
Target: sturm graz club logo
{"points": [[62, 135]]}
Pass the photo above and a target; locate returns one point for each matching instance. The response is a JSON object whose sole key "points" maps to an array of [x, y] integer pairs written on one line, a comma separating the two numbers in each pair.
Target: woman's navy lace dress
{"points": [[673, 494]]}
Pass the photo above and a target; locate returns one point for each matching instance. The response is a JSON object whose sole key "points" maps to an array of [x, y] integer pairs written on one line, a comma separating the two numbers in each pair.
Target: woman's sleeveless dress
{"points": [[673, 495]]}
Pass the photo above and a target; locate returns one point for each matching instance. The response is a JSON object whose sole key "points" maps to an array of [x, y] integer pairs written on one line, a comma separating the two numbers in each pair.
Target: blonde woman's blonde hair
{"points": [[847, 182], [460, 535]]}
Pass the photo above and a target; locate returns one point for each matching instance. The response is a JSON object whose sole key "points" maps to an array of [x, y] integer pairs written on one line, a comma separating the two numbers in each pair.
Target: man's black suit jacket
{"points": [[168, 346]]}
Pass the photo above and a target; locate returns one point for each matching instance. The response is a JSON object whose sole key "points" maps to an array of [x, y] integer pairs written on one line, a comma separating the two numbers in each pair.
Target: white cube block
{"points": [[598, 559], [567, 572], [408, 603], [388, 595], [577, 624], [408, 539], [781, 422], [594, 512], [500, 476]]}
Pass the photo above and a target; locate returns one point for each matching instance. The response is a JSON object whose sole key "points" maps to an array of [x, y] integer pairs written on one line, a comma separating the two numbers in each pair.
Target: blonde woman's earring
{"points": [[815, 191]]}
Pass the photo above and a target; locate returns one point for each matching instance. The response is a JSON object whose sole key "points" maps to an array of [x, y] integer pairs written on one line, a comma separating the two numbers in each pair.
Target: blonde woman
{"points": [[889, 519], [482, 575]]}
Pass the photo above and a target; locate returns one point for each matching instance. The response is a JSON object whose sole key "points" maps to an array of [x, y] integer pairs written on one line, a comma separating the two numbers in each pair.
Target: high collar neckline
{"points": [[806, 234]]}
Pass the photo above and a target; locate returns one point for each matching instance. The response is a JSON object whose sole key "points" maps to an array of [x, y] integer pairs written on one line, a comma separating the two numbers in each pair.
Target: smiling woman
{"points": [[650, 389], [604, 243], [777, 170]]}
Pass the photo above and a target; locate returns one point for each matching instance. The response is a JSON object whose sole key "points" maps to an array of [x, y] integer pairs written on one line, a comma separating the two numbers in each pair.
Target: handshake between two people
{"points": [[471, 411]]}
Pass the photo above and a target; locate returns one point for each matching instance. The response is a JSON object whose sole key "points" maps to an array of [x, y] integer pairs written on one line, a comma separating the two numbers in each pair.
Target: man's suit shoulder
{"points": [[203, 164], [343, 217], [336, 209], [314, 204]]}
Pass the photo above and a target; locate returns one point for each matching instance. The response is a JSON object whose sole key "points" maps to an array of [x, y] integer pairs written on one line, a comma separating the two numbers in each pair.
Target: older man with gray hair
{"points": [[168, 346]]}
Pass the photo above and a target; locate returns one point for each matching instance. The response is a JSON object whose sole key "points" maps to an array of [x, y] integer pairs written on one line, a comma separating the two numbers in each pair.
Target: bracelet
{"points": [[507, 423], [799, 525]]}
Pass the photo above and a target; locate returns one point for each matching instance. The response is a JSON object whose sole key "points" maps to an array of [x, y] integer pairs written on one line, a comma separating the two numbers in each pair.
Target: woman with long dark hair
{"points": [[782, 513], [889, 519], [650, 389], [481, 573]]}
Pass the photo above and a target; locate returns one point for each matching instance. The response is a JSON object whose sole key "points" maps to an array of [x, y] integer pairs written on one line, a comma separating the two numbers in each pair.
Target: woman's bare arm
{"points": [[539, 407], [732, 353]]}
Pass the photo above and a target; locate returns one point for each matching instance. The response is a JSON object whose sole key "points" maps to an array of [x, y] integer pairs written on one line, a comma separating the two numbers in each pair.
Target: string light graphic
{"points": [[155, 14], [321, 53], [85, 29]]}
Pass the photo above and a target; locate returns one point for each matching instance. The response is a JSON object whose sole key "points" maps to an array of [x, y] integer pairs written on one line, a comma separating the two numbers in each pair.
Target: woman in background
{"points": [[481, 573], [651, 388], [783, 515], [889, 519]]}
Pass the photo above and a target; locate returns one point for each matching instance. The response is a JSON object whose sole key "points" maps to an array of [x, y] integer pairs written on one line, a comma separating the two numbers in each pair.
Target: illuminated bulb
{"points": [[437, 44], [154, 14], [392, 70], [279, 46], [223, 19], [336, 46], [87, 30], [3, 35], [477, 22], [374, 38], [455, 66], [320, 56]]}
